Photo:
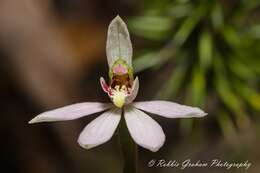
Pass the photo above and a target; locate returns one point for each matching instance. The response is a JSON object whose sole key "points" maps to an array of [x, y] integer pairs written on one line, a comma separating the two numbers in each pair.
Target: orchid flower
{"points": [[122, 89]]}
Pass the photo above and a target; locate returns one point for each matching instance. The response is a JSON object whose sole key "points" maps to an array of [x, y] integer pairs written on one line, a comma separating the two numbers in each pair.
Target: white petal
{"points": [[144, 130], [134, 91], [100, 130], [169, 109], [71, 112], [118, 42]]}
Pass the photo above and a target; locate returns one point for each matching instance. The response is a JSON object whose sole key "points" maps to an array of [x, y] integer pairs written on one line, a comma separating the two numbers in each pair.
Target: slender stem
{"points": [[129, 149]]}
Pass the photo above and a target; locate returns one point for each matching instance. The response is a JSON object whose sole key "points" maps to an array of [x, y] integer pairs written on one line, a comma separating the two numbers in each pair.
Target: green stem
{"points": [[128, 147]]}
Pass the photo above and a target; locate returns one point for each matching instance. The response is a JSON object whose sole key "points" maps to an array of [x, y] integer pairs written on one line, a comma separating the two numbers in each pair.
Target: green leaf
{"points": [[240, 69], [249, 94], [226, 94], [198, 87], [145, 61], [217, 16], [231, 37], [152, 59], [188, 24], [180, 10], [151, 27], [229, 98], [205, 49], [171, 87], [255, 31]]}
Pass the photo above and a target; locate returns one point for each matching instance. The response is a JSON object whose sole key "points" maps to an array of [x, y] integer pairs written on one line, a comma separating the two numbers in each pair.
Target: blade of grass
{"points": [[170, 88], [205, 49], [198, 87], [217, 16], [189, 24], [240, 69], [151, 27], [249, 94], [228, 97]]}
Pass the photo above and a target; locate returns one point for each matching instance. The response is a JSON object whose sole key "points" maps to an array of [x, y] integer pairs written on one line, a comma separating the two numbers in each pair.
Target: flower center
{"points": [[121, 80], [119, 95]]}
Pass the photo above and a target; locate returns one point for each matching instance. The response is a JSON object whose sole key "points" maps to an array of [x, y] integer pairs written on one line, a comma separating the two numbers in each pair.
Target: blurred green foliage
{"points": [[215, 48]]}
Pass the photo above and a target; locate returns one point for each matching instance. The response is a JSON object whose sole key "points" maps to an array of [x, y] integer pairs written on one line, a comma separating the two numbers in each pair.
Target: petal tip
{"points": [[158, 147], [101, 79], [30, 122], [117, 18], [201, 113], [154, 149], [85, 146], [137, 79], [204, 114], [33, 121]]}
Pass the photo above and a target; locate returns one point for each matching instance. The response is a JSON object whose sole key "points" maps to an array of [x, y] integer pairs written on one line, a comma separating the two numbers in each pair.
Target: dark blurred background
{"points": [[196, 52]]}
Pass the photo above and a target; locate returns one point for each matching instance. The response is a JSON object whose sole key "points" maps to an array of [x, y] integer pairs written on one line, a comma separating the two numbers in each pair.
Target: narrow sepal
{"points": [[118, 44], [71, 112], [133, 92], [169, 109]]}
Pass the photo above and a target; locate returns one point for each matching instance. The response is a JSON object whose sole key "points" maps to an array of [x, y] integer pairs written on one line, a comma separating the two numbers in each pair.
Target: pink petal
{"points": [[71, 112], [104, 86], [100, 130], [144, 130], [169, 109], [133, 92]]}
